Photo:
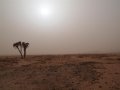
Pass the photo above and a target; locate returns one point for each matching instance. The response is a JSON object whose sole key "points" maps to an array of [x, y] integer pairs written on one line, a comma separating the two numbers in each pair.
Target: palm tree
{"points": [[25, 46], [18, 45]]}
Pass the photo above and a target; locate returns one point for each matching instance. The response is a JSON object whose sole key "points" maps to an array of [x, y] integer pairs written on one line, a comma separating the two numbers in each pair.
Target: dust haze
{"points": [[74, 26]]}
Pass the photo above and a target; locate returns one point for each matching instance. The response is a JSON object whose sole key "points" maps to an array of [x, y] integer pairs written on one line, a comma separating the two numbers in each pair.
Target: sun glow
{"points": [[45, 10]]}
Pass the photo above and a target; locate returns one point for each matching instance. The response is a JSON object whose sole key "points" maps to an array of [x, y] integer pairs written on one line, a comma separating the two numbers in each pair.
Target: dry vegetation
{"points": [[60, 72]]}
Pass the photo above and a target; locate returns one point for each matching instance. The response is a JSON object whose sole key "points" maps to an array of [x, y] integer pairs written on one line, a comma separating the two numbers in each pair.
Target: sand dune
{"points": [[60, 72]]}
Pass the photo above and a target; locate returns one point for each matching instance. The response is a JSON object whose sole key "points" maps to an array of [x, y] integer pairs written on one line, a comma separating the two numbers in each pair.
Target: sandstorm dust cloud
{"points": [[63, 26]]}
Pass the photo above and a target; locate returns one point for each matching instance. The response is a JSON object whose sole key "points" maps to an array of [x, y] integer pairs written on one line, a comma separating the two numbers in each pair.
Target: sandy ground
{"points": [[60, 72]]}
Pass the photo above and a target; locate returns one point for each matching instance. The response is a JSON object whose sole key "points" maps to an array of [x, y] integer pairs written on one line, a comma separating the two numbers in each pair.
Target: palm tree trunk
{"points": [[21, 49], [20, 53], [24, 53]]}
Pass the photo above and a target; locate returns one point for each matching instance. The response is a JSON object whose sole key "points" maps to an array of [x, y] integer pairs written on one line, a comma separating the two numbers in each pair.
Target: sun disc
{"points": [[45, 11]]}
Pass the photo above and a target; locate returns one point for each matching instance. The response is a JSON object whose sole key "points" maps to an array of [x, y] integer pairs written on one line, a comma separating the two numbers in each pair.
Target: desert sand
{"points": [[60, 72]]}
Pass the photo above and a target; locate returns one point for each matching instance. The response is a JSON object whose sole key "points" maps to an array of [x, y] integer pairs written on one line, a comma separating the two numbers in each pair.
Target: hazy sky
{"points": [[60, 26]]}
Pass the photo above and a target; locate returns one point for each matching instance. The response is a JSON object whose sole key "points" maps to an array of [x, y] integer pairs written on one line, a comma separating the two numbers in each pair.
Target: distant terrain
{"points": [[60, 72]]}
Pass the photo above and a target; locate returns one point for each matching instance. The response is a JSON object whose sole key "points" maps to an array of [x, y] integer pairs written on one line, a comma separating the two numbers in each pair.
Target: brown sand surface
{"points": [[60, 72]]}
